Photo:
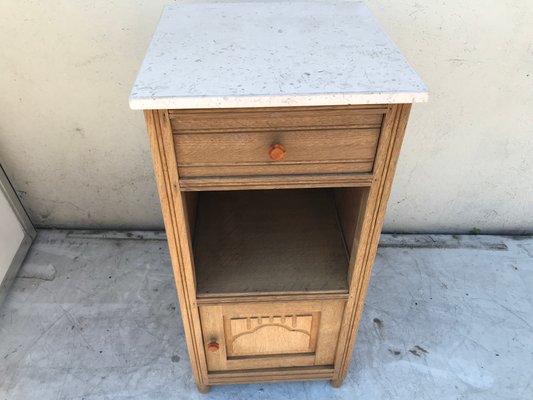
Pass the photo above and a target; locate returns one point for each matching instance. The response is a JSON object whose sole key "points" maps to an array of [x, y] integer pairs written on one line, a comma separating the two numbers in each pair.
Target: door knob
{"points": [[213, 346], [277, 152]]}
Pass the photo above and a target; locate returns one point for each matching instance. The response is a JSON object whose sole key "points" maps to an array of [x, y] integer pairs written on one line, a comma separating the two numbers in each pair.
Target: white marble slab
{"points": [[210, 55]]}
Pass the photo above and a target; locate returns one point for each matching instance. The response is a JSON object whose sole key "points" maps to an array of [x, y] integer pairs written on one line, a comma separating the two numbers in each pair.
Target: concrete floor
{"points": [[96, 317]]}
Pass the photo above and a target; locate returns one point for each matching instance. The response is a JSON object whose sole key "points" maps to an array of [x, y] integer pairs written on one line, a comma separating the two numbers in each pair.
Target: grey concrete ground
{"points": [[445, 318]]}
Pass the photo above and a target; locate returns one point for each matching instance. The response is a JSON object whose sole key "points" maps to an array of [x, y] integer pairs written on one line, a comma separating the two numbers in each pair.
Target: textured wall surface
{"points": [[79, 157], [467, 157]]}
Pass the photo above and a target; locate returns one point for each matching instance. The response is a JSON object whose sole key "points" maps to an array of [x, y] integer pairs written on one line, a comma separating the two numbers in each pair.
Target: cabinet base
{"points": [[203, 388], [336, 383], [293, 374]]}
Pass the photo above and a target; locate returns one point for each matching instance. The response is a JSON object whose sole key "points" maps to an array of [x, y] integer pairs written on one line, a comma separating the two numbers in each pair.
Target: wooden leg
{"points": [[336, 383], [203, 388]]}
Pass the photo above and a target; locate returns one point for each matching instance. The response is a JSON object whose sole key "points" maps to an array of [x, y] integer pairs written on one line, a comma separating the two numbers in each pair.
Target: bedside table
{"points": [[275, 130]]}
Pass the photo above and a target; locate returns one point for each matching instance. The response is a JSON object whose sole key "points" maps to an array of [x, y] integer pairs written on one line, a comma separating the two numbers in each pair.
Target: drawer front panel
{"points": [[234, 154], [239, 143], [267, 119], [271, 335]]}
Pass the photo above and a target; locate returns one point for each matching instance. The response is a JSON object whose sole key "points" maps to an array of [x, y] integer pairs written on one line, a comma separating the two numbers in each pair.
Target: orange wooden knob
{"points": [[277, 152], [213, 347]]}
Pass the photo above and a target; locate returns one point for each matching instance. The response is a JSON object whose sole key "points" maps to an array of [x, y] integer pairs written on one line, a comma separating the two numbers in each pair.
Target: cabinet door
{"points": [[271, 334]]}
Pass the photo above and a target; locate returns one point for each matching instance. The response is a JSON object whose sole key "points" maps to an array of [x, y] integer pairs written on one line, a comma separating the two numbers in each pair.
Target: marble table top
{"points": [[268, 54]]}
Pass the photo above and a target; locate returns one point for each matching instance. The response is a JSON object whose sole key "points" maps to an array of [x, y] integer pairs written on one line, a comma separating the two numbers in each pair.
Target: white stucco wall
{"points": [[79, 157]]}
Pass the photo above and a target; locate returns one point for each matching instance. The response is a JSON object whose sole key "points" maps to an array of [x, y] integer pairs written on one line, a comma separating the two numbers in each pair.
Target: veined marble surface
{"points": [[210, 55]]}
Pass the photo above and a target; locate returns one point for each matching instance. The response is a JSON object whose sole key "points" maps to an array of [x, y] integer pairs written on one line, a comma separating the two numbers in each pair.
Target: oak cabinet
{"points": [[272, 267], [275, 140]]}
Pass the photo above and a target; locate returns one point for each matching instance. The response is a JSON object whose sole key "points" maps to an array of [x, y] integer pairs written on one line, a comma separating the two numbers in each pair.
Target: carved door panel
{"points": [[270, 335]]}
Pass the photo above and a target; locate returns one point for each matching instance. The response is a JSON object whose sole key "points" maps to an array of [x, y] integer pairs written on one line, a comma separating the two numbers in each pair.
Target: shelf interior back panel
{"points": [[268, 241]]}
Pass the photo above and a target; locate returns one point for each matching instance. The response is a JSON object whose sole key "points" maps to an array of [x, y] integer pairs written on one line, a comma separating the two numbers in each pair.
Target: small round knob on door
{"points": [[277, 152], [213, 346]]}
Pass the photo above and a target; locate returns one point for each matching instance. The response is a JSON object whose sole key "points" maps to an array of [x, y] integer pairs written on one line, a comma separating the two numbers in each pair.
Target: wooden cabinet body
{"points": [[272, 258], [275, 128]]}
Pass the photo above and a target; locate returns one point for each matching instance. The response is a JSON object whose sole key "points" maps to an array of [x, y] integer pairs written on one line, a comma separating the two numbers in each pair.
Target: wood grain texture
{"points": [[270, 297], [248, 153], [280, 169], [361, 203], [191, 205], [277, 182], [252, 336], [178, 237], [364, 250], [272, 335], [269, 241], [295, 235], [238, 143], [275, 118], [271, 375], [350, 204]]}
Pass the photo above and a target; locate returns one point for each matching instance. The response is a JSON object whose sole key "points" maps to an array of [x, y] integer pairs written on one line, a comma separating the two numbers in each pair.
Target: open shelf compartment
{"points": [[265, 242]]}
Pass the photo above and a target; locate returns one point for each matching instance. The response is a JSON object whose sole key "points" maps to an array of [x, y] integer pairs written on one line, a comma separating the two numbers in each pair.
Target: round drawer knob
{"points": [[213, 347], [277, 152]]}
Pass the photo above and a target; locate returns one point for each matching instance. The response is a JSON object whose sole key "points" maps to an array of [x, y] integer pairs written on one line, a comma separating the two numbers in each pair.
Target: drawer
{"points": [[276, 142], [271, 334]]}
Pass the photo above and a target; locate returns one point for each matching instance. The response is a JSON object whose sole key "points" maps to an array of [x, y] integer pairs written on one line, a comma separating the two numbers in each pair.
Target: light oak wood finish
{"points": [[270, 297], [234, 243], [251, 142], [350, 203], [275, 118], [274, 241], [271, 375], [364, 250], [178, 236], [277, 182], [250, 153], [191, 205], [269, 335]]}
